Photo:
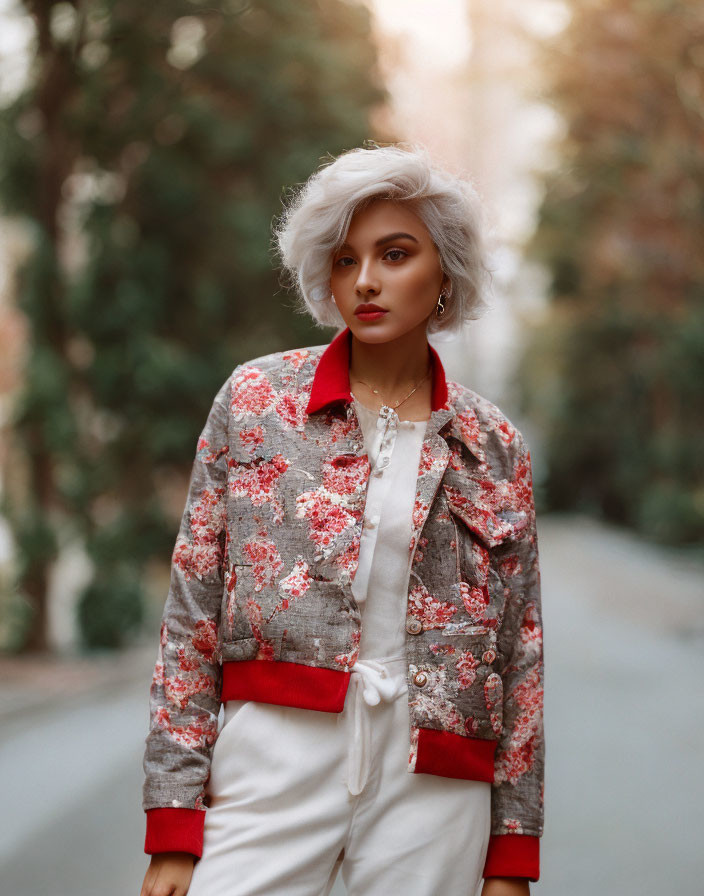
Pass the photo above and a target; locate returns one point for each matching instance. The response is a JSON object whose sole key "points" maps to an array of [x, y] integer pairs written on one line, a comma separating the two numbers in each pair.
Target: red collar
{"points": [[331, 381]]}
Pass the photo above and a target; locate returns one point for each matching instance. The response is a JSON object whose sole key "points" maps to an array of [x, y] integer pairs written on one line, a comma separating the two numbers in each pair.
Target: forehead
{"points": [[383, 216]]}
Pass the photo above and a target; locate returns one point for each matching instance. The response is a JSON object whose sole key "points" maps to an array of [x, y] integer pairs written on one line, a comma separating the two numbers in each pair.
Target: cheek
{"points": [[421, 273], [340, 276], [420, 284]]}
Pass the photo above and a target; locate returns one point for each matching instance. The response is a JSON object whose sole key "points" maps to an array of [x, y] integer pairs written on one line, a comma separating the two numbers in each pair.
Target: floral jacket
{"points": [[260, 605]]}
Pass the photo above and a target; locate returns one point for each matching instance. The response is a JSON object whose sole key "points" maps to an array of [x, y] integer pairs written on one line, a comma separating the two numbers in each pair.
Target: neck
{"points": [[393, 367]]}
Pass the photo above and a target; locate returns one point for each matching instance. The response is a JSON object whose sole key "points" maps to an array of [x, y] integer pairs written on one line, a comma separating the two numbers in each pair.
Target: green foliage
{"points": [[601, 386], [148, 154], [15, 616], [615, 372], [110, 610]]}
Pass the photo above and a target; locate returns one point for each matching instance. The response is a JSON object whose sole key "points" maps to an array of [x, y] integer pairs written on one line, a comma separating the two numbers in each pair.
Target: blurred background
{"points": [[144, 151]]}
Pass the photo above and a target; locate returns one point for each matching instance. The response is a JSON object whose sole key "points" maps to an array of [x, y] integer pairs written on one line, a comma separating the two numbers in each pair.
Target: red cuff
{"points": [[513, 855], [174, 830]]}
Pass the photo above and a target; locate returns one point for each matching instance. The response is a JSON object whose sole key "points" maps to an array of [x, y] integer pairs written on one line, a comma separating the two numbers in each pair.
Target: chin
{"points": [[378, 332]]}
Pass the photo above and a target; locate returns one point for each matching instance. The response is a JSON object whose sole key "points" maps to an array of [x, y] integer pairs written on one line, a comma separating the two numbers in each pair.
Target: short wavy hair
{"points": [[317, 216]]}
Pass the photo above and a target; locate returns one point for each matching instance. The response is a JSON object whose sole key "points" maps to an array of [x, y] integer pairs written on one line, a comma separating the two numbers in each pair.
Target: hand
{"points": [[506, 886], [168, 874]]}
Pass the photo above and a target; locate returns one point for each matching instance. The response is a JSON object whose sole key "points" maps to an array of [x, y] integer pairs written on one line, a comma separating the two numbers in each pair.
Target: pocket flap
{"points": [[491, 526]]}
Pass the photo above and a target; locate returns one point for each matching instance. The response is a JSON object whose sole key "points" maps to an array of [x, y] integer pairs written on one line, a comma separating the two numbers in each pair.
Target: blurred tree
{"points": [[615, 372], [148, 153]]}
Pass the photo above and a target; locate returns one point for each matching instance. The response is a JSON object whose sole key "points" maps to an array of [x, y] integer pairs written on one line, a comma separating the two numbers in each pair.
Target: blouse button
{"points": [[489, 655], [420, 678], [414, 626]]}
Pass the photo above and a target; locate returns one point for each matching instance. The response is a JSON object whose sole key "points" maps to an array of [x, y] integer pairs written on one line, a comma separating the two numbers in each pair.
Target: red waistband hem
{"points": [[455, 755], [286, 684], [312, 687]]}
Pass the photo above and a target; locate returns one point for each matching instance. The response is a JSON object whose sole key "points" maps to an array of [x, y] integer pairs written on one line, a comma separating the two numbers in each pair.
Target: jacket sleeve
{"points": [[184, 700], [518, 788]]}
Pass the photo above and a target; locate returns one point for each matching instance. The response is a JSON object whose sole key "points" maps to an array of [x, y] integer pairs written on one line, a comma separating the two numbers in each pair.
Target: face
{"points": [[389, 260]]}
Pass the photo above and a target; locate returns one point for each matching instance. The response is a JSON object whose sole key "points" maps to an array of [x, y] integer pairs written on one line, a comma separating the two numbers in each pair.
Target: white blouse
{"points": [[381, 581], [380, 585]]}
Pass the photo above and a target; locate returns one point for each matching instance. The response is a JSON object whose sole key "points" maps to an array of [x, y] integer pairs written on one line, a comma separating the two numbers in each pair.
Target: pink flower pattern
{"points": [[251, 439], [205, 638], [257, 480], [266, 561], [470, 431], [510, 566], [252, 394], [493, 694], [431, 612], [333, 508], [197, 735], [466, 665], [199, 553], [294, 585], [432, 701], [518, 757], [475, 600], [347, 660], [291, 408], [180, 688], [295, 359], [253, 614]]}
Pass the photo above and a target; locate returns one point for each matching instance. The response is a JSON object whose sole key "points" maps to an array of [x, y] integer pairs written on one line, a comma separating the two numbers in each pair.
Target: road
{"points": [[624, 728]]}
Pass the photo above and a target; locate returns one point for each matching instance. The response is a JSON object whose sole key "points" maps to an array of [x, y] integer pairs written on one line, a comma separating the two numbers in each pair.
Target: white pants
{"points": [[298, 794]]}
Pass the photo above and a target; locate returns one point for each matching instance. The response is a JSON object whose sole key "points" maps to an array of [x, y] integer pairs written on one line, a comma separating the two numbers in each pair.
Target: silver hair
{"points": [[317, 217]]}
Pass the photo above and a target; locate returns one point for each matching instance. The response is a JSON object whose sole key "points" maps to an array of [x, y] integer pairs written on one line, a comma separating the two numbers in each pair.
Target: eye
{"points": [[342, 259], [399, 253]]}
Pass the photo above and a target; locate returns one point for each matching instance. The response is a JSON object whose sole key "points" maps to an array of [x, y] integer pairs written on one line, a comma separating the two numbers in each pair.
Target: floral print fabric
{"points": [[267, 550]]}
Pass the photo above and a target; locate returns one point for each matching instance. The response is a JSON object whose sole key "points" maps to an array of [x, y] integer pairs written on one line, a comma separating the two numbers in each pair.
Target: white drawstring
{"points": [[372, 681]]}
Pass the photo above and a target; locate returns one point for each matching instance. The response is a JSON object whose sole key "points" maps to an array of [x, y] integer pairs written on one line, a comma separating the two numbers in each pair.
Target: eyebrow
{"points": [[386, 239]]}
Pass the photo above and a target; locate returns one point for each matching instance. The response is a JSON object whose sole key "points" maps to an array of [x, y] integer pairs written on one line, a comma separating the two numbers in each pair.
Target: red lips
{"points": [[366, 307]]}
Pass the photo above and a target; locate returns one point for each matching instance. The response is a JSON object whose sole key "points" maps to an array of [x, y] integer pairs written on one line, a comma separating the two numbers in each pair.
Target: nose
{"points": [[367, 281]]}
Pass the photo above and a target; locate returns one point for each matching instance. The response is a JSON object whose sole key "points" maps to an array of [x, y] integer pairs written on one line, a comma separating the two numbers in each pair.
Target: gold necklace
{"points": [[399, 403]]}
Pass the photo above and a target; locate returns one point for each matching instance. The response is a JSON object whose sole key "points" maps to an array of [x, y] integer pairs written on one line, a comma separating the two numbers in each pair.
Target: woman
{"points": [[356, 581]]}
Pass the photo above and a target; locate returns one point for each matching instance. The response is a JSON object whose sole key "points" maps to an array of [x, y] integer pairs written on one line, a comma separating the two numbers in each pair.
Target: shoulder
{"points": [[484, 427], [276, 383], [280, 365]]}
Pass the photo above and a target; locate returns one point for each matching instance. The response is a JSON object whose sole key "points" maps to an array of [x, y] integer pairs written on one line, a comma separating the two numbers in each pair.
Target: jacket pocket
{"points": [[481, 540], [470, 629], [492, 528], [233, 625], [242, 648]]}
